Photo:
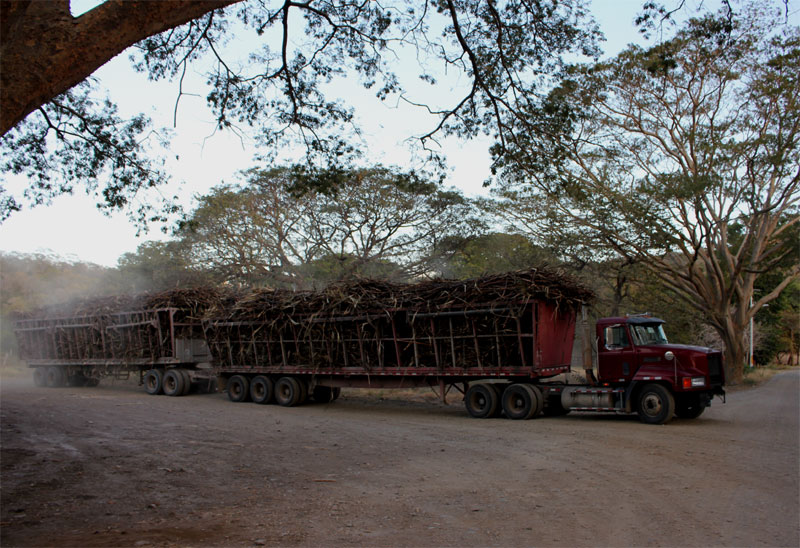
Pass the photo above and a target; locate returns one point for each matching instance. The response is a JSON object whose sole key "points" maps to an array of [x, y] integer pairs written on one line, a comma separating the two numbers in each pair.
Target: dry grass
{"points": [[757, 376]]}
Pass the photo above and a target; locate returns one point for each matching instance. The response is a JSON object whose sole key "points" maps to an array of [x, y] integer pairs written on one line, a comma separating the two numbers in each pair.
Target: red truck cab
{"points": [[633, 353]]}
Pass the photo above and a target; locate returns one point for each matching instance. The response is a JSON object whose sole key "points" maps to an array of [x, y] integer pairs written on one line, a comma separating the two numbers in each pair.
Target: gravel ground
{"points": [[112, 466]]}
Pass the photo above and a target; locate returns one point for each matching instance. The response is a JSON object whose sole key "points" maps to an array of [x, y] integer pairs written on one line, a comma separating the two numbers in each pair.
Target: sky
{"points": [[73, 229]]}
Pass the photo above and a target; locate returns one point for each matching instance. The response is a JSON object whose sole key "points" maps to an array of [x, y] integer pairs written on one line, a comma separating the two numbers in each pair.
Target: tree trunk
{"points": [[44, 50], [735, 354]]}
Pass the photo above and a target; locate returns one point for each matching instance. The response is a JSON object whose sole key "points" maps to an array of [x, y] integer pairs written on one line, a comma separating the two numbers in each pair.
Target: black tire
{"points": [[287, 391], [689, 407], [238, 388], [655, 404], [54, 377], [336, 393], [173, 382], [92, 382], [187, 381], [261, 389], [40, 376], [539, 400], [519, 401], [481, 401], [323, 394], [303, 384], [154, 382]]}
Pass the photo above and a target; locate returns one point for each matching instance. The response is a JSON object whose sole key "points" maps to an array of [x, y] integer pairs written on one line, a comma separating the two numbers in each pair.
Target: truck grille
{"points": [[715, 373]]}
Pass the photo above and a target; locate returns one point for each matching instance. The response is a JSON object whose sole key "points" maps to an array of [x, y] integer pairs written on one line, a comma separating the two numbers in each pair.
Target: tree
{"points": [[503, 49], [157, 266], [484, 254], [659, 152], [270, 230]]}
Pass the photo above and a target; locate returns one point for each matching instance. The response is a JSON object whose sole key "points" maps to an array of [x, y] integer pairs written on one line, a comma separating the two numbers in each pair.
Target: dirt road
{"points": [[111, 466]]}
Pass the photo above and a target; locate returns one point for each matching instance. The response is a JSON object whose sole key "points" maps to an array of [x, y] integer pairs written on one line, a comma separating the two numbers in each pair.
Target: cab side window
{"points": [[616, 337]]}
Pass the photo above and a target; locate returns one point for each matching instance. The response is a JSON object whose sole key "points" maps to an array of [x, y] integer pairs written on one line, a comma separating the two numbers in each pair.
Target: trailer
{"points": [[163, 346]]}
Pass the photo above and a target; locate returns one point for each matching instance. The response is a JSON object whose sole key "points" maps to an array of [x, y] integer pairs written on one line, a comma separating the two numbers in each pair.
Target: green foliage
{"points": [[505, 52], [779, 328], [76, 141], [493, 253], [296, 228], [334, 268], [681, 158], [156, 266]]}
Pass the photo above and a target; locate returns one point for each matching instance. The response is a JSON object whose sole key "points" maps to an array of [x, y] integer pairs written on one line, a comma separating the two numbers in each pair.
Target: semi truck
{"points": [[504, 342]]}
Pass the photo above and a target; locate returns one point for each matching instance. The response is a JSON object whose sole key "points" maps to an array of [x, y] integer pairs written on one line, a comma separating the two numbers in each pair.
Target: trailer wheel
{"points": [[519, 402], [689, 407], [154, 382], [39, 376], [261, 389], [187, 381], [481, 401], [303, 384], [92, 382], [173, 382], [336, 392], [287, 391], [238, 388], [655, 404], [54, 377]]}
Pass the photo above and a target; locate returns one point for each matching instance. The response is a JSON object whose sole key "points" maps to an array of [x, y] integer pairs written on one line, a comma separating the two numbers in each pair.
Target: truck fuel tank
{"points": [[590, 398]]}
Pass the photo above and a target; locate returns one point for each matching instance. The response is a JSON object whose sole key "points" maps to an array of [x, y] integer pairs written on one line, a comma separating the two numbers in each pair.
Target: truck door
{"points": [[617, 356]]}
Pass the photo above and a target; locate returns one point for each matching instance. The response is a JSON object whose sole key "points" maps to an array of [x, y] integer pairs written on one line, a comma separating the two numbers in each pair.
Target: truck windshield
{"points": [[644, 334]]}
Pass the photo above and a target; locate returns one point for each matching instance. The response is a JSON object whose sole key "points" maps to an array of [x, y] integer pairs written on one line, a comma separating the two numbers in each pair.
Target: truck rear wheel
{"points": [[655, 404], [519, 401], [238, 388], [287, 391], [261, 389], [481, 400], [154, 382], [174, 382]]}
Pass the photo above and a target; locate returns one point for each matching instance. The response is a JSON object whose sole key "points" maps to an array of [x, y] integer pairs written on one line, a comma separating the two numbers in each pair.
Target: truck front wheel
{"points": [[655, 404]]}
